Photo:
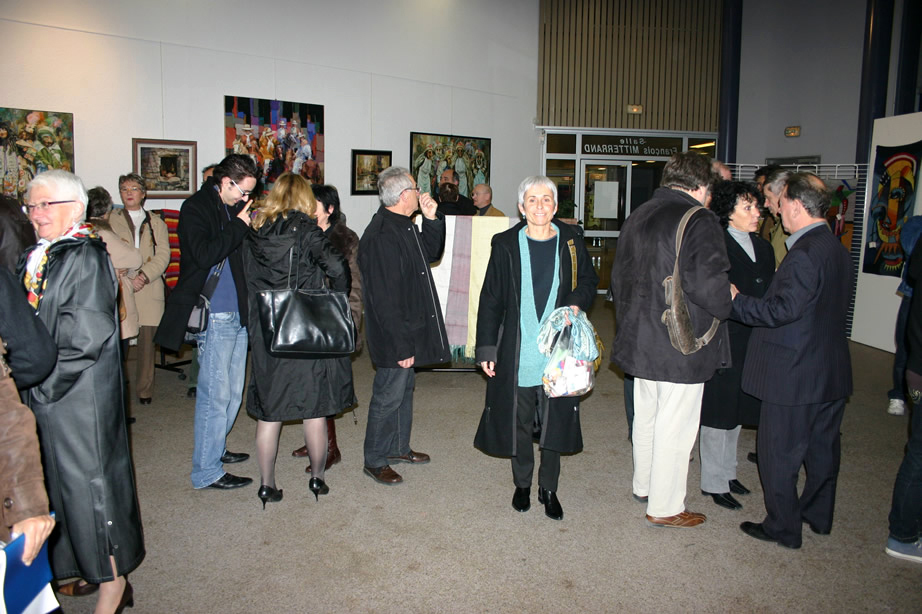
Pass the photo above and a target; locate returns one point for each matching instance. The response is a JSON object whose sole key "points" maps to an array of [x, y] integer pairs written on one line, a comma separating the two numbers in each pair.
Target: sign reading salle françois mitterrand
{"points": [[631, 145]]}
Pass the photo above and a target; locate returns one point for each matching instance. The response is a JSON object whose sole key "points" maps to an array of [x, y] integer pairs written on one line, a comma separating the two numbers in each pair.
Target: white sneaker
{"points": [[908, 552], [897, 407]]}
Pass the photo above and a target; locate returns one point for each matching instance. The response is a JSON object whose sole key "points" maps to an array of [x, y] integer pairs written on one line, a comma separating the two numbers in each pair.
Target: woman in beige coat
{"points": [[125, 257], [149, 234]]}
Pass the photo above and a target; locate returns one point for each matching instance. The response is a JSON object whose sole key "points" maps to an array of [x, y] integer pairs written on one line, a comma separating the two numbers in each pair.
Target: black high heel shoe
{"points": [[267, 493], [127, 599], [318, 487]]}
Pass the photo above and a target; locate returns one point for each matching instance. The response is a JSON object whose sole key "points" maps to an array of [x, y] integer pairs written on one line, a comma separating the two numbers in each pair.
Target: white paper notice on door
{"points": [[605, 204]]}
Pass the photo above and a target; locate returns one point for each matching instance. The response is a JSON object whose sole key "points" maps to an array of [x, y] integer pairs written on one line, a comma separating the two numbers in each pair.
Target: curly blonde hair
{"points": [[290, 193]]}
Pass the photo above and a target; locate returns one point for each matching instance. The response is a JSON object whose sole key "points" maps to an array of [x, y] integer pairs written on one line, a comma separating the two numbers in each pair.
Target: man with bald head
{"points": [[798, 364], [483, 200]]}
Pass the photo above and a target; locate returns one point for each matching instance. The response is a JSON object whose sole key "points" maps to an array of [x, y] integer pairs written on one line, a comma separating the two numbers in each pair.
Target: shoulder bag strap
{"points": [[679, 234], [572, 247]]}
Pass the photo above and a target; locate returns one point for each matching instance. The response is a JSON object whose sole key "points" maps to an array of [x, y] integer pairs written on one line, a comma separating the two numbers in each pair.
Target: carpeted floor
{"points": [[448, 540]]}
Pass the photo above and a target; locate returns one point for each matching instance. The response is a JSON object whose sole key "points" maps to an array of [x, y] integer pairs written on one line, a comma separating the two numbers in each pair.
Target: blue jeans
{"points": [[222, 355], [390, 416], [902, 352], [906, 510]]}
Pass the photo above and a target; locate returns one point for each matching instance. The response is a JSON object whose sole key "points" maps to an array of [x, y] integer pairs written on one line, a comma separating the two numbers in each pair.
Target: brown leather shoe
{"points": [[384, 475], [77, 588], [300, 452], [680, 521], [416, 458]]}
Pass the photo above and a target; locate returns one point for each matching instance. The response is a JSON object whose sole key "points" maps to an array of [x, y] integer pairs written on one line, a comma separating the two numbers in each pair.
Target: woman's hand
{"points": [[488, 368]]}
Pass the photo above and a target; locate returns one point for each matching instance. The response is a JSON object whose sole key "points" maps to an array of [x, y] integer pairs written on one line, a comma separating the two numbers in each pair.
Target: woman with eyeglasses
{"points": [[149, 234], [71, 285], [286, 247]]}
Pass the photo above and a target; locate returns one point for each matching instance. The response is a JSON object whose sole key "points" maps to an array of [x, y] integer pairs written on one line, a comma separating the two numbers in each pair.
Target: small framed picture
{"points": [[366, 164], [168, 167]]}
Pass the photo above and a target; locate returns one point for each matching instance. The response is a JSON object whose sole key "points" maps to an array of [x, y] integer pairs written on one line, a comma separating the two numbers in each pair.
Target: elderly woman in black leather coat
{"points": [[70, 283]]}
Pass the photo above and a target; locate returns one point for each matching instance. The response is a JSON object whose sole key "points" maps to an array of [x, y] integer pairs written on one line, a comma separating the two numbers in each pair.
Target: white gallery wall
{"points": [[381, 69]]}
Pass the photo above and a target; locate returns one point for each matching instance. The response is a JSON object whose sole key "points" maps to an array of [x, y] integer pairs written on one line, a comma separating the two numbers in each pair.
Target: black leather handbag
{"points": [[198, 318], [314, 323]]}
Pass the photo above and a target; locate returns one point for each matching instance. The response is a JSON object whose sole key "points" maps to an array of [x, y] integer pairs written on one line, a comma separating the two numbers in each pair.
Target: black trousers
{"points": [[788, 437], [523, 464]]}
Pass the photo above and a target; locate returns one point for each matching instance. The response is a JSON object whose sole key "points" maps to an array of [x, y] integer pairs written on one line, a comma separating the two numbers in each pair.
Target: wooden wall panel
{"points": [[598, 56]]}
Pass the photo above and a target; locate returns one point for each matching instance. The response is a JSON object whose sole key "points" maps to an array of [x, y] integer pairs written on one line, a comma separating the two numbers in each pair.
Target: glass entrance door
{"points": [[603, 208]]}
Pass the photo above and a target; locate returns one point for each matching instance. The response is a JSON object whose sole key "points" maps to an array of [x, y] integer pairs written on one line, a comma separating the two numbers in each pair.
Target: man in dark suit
{"points": [[798, 365]]}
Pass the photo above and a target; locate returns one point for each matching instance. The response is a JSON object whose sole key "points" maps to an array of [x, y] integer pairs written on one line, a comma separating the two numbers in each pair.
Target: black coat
{"points": [[16, 233], [645, 257], [798, 352], [498, 314], [293, 388], [208, 233], [31, 350], [724, 404], [81, 418], [403, 317]]}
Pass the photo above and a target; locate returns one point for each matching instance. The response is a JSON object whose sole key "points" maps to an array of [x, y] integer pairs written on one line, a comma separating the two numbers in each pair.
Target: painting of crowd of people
{"points": [[432, 154], [32, 142], [279, 136]]}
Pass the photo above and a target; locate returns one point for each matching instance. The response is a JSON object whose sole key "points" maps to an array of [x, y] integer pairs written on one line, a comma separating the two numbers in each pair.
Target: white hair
{"points": [[64, 186]]}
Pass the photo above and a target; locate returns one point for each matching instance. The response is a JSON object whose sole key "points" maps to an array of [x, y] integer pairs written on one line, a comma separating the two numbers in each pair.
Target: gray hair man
{"points": [[483, 200], [403, 320]]}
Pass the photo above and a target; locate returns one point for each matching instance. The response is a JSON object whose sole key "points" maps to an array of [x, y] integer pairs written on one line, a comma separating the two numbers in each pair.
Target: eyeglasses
{"points": [[414, 189], [246, 195], [29, 209], [130, 189]]}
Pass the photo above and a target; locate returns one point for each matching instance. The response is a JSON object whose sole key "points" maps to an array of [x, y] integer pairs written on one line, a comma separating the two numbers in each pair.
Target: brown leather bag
{"points": [[676, 317]]}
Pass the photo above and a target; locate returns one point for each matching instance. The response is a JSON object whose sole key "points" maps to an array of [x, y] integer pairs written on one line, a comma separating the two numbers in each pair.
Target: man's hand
{"points": [[244, 214], [428, 205], [406, 363], [36, 529], [488, 368], [733, 291]]}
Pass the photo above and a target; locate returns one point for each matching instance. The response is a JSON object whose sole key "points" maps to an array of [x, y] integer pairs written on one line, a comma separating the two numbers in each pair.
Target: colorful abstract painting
{"points": [[32, 142], [895, 172], [280, 136]]}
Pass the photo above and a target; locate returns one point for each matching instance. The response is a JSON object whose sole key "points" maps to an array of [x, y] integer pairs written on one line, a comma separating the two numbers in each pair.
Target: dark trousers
{"points": [[390, 415], [906, 510], [523, 463], [902, 353], [791, 436]]}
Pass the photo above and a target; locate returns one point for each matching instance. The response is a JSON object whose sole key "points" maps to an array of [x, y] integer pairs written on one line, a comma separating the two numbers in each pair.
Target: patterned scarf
{"points": [[34, 279]]}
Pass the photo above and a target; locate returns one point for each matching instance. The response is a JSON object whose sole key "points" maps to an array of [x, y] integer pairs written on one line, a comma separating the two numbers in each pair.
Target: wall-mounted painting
{"points": [[280, 136], [896, 170], [366, 164], [168, 167], [32, 142], [432, 154]]}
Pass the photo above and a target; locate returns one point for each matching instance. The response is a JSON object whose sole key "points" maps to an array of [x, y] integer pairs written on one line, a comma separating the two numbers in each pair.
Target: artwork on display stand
{"points": [[432, 154], [280, 136], [841, 212], [31, 142], [895, 173], [167, 167], [366, 165]]}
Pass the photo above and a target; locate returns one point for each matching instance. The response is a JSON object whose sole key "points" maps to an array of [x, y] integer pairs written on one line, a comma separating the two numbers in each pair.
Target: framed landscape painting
{"points": [[366, 165], [168, 167]]}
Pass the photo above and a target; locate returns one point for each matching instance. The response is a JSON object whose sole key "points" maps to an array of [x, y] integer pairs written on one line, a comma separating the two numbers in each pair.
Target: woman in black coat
{"points": [[530, 274], [724, 406], [286, 243], [70, 283], [332, 222]]}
